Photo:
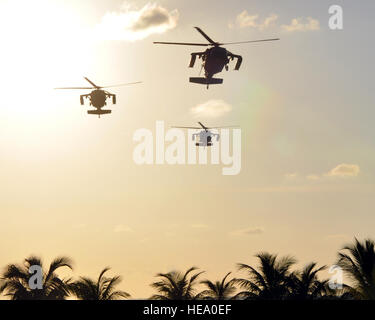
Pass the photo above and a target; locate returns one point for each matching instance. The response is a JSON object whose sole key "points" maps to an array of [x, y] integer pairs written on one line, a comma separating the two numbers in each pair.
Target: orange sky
{"points": [[69, 183]]}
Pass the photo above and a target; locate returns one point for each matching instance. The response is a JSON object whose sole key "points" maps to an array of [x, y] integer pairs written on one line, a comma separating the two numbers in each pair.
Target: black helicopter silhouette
{"points": [[214, 59], [98, 97]]}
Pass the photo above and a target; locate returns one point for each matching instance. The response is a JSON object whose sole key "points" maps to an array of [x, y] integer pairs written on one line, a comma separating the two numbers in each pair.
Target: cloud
{"points": [[345, 170], [301, 24], [291, 176], [245, 20], [249, 232], [130, 24], [121, 228], [211, 109], [342, 170], [310, 188]]}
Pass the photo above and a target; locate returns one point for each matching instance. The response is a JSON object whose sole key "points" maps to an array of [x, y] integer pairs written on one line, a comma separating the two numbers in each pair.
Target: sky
{"points": [[304, 105]]}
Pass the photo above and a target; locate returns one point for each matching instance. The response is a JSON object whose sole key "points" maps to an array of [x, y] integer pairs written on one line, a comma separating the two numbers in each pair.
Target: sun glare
{"points": [[44, 47], [39, 57]]}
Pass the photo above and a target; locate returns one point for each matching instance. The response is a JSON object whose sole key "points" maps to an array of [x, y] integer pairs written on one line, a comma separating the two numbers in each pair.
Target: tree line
{"points": [[272, 279]]}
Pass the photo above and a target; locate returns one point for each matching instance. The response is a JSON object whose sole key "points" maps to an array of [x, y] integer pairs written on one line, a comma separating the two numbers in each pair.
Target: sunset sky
{"points": [[305, 104]]}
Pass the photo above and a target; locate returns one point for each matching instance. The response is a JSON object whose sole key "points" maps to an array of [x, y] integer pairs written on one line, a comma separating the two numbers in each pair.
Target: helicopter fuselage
{"points": [[205, 138], [98, 98], [214, 61]]}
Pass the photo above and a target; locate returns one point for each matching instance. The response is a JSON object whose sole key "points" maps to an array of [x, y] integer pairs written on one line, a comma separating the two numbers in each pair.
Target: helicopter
{"points": [[205, 137], [98, 97], [214, 58]]}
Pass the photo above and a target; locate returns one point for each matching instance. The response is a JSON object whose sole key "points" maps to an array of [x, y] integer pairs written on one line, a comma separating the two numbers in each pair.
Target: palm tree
{"points": [[2, 287], [16, 280], [306, 285], [271, 282], [101, 289], [175, 285], [220, 290], [358, 263]]}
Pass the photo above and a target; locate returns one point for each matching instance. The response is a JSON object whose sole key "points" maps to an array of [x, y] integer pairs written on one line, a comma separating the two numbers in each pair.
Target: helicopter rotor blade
{"points": [[197, 128], [92, 83], [73, 88], [121, 85], [205, 36], [202, 125], [224, 127], [252, 41], [184, 43]]}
